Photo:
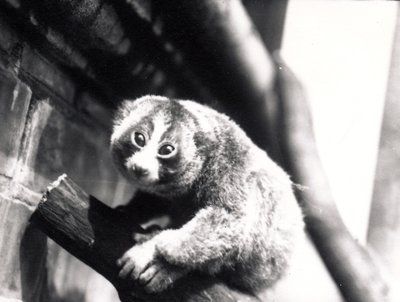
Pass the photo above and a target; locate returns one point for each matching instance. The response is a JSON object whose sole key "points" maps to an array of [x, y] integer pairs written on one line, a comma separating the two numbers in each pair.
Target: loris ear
{"points": [[123, 110]]}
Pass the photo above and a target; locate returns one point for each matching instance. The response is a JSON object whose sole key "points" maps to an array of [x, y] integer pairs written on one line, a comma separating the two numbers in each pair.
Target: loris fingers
{"points": [[126, 270], [148, 274], [121, 261]]}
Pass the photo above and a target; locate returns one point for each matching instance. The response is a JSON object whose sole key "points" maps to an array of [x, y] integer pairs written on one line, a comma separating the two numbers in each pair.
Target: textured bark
{"points": [[351, 266], [99, 235]]}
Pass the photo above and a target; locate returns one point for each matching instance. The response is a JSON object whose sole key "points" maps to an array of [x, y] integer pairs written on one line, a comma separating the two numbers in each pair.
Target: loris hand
{"points": [[139, 264]]}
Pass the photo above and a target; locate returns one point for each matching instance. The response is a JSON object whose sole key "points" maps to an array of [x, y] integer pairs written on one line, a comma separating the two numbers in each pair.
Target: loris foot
{"points": [[152, 274]]}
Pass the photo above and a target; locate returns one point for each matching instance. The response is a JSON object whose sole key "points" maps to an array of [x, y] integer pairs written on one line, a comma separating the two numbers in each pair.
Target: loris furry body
{"points": [[243, 220]]}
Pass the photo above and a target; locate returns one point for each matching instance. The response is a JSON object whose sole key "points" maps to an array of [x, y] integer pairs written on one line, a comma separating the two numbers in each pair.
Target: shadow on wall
{"points": [[36, 275], [32, 258]]}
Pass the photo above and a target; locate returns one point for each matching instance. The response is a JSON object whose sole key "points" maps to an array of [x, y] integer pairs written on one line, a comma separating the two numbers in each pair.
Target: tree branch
{"points": [[351, 266], [99, 235]]}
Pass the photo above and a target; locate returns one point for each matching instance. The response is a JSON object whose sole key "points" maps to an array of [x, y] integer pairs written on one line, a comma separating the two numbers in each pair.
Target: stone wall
{"points": [[47, 127]]}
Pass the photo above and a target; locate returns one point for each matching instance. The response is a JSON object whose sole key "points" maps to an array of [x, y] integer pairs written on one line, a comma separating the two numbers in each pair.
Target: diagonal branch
{"points": [[99, 235], [351, 266]]}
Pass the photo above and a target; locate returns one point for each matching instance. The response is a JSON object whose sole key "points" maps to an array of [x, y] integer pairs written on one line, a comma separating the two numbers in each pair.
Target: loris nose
{"points": [[140, 171]]}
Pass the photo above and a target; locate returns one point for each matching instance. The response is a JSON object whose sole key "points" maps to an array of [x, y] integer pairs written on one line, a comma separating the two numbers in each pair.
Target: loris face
{"points": [[153, 147]]}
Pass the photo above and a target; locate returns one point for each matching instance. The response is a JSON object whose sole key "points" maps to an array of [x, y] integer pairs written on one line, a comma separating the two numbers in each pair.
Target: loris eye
{"points": [[138, 139], [166, 150]]}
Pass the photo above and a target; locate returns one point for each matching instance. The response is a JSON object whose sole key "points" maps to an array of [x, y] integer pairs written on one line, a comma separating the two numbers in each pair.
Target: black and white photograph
{"points": [[199, 151]]}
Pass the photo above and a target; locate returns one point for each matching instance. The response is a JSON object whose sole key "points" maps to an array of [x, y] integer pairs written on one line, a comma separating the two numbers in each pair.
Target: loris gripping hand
{"points": [[141, 265]]}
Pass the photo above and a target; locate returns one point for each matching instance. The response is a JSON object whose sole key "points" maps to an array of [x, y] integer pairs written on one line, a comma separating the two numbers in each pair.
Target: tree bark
{"points": [[351, 266], [99, 235]]}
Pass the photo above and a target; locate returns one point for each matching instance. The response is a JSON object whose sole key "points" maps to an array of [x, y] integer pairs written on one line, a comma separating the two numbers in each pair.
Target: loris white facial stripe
{"points": [[121, 128], [146, 158], [142, 109]]}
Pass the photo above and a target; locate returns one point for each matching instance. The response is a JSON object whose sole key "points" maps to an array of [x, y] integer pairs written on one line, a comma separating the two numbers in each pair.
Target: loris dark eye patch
{"points": [[139, 139], [166, 150], [127, 148]]}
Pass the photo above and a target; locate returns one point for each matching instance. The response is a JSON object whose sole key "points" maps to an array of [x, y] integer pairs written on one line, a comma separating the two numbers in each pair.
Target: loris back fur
{"points": [[244, 218]]}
